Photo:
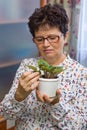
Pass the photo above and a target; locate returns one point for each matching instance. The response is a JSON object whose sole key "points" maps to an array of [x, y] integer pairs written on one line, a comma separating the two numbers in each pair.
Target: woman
{"points": [[33, 111]]}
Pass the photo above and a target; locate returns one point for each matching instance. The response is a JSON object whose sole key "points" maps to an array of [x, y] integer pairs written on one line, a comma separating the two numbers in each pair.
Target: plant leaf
{"points": [[32, 67], [41, 62]]}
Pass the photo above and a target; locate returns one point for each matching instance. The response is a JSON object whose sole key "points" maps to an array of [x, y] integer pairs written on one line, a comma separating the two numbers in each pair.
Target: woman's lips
{"points": [[48, 51]]}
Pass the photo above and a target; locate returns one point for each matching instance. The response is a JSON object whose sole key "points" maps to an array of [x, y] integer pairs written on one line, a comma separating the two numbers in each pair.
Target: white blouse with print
{"points": [[69, 114]]}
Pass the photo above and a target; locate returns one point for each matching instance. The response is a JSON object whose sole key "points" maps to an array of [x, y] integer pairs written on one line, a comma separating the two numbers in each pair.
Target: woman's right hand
{"points": [[27, 83]]}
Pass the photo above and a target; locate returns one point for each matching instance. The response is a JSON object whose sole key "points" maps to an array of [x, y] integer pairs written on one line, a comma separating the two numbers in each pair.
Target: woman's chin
{"points": [[49, 56]]}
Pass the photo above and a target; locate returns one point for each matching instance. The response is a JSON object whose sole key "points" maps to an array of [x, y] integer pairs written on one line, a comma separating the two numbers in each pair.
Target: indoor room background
{"points": [[15, 39]]}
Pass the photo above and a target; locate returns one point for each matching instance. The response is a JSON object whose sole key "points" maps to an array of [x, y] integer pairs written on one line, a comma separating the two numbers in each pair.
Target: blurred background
{"points": [[15, 39]]}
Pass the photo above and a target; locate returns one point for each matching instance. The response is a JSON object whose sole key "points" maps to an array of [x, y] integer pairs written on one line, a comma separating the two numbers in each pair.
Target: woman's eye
{"points": [[52, 38], [39, 39]]}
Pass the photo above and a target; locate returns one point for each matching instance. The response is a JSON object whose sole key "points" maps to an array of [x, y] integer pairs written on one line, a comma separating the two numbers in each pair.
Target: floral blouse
{"points": [[69, 114]]}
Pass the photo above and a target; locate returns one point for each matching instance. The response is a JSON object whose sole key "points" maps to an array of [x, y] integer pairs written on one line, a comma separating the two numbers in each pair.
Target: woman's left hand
{"points": [[44, 98]]}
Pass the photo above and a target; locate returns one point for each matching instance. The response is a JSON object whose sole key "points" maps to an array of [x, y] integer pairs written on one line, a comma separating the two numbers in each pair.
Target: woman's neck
{"points": [[57, 60]]}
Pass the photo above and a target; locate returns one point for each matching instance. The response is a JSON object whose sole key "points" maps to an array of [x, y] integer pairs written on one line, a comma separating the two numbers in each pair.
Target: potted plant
{"points": [[48, 77]]}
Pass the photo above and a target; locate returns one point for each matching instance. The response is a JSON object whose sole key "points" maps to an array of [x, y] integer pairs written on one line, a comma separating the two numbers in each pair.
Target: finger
{"points": [[34, 85], [47, 99], [26, 79], [52, 101], [55, 100], [25, 74], [29, 89], [39, 96], [32, 81], [22, 83], [31, 76], [58, 93]]}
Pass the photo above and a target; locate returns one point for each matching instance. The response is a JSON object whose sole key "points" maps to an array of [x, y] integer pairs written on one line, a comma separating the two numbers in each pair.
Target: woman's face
{"points": [[50, 42]]}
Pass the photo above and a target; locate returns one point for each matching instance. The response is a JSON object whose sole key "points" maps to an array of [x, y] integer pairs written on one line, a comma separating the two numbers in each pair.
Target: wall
{"points": [[15, 39]]}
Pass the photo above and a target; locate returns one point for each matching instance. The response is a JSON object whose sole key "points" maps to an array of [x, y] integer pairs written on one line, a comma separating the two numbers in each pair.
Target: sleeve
{"points": [[9, 107], [72, 115]]}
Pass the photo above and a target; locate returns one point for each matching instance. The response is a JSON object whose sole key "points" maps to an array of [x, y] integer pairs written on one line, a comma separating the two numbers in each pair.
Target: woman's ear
{"points": [[66, 37]]}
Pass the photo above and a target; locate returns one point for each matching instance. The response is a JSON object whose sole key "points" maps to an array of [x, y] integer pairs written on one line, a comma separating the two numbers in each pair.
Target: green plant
{"points": [[49, 71]]}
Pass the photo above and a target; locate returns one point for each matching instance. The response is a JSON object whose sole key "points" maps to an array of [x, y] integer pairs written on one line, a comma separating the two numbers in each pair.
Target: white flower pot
{"points": [[48, 86]]}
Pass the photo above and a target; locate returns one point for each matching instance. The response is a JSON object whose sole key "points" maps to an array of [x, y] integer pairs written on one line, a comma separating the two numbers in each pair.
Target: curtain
{"points": [[82, 37], [73, 10]]}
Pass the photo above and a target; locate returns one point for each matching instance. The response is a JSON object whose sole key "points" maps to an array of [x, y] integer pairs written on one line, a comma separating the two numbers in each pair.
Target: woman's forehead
{"points": [[46, 27]]}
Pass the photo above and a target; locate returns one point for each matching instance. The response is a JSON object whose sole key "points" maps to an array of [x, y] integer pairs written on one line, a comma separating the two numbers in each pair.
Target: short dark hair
{"points": [[53, 15]]}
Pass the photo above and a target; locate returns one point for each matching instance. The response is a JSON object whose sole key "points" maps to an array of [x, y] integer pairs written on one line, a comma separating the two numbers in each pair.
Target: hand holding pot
{"points": [[46, 99], [27, 83]]}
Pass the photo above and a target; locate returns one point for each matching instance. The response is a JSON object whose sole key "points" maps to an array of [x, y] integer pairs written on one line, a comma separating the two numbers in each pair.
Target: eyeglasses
{"points": [[50, 39]]}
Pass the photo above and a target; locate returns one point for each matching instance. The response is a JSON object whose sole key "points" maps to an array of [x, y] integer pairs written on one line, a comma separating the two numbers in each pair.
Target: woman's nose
{"points": [[46, 42]]}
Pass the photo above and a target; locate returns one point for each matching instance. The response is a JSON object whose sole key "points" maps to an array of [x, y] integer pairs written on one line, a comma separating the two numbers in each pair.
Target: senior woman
{"points": [[33, 111]]}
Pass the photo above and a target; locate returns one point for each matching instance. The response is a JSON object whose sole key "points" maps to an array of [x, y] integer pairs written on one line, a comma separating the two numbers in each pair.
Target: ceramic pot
{"points": [[48, 86]]}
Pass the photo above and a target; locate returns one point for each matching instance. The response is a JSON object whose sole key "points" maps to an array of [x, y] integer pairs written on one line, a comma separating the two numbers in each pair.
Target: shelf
{"points": [[3, 123], [14, 21], [1, 119], [7, 64]]}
